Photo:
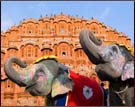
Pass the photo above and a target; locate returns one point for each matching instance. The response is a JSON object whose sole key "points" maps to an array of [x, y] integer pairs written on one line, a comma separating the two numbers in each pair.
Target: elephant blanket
{"points": [[86, 92]]}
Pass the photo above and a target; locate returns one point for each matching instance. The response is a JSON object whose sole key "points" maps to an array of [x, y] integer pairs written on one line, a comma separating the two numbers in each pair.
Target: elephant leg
{"points": [[49, 101]]}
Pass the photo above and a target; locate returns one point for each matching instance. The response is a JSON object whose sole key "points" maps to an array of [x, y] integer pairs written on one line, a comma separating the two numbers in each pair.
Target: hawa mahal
{"points": [[54, 35]]}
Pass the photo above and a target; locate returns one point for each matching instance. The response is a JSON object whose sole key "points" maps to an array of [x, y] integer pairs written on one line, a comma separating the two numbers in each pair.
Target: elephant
{"points": [[114, 63], [47, 77]]}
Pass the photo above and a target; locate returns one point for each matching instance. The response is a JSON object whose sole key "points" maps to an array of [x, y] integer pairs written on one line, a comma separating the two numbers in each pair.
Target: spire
{"points": [[41, 16], [51, 17], [76, 15], [54, 15]]}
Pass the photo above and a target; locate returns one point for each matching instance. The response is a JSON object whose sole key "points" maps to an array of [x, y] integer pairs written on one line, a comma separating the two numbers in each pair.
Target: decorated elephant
{"points": [[61, 86], [114, 63]]}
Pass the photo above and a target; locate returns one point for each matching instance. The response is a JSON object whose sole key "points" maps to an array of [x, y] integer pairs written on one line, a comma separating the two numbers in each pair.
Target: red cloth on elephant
{"points": [[86, 92]]}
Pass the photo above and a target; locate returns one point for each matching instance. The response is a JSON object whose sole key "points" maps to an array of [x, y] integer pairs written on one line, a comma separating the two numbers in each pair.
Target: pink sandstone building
{"points": [[55, 35]]}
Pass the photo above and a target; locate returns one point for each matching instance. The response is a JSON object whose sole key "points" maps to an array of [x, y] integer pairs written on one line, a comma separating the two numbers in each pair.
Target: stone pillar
{"points": [[15, 99], [57, 29], [2, 99]]}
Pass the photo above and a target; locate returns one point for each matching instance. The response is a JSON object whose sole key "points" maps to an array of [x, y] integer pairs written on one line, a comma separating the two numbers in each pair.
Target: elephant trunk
{"points": [[11, 73], [91, 46]]}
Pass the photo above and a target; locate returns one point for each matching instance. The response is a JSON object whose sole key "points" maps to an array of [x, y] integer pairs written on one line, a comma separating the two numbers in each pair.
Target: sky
{"points": [[117, 14]]}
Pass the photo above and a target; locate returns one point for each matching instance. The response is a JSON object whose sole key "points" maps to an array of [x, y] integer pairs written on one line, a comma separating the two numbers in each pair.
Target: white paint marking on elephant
{"points": [[87, 92]]}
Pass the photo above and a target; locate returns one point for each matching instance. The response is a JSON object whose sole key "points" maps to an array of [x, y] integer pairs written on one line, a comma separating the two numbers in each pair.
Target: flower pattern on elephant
{"points": [[118, 63], [28, 73], [128, 71]]}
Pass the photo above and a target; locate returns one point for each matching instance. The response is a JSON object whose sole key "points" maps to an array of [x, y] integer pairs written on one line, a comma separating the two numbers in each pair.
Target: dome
{"points": [[92, 20], [109, 28], [30, 20], [14, 28], [62, 17]]}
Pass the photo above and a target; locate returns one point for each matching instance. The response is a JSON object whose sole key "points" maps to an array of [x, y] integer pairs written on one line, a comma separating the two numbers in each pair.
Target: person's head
{"points": [[102, 84]]}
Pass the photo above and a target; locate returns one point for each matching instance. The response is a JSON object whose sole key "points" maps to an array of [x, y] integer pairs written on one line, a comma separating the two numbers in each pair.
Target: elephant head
{"points": [[111, 61], [40, 79]]}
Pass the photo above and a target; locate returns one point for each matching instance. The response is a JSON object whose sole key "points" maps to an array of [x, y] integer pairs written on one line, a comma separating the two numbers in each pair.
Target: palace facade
{"points": [[55, 35]]}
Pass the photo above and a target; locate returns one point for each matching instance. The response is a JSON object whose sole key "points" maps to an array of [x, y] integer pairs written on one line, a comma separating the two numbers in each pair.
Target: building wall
{"points": [[55, 35]]}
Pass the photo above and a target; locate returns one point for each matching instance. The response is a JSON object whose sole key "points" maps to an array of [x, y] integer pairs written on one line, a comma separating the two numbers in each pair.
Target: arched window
{"points": [[70, 51], [55, 29], [42, 32], [46, 26], [55, 50], [29, 31], [69, 28], [36, 52], [12, 52], [62, 29], [9, 84], [80, 53], [63, 53], [94, 30], [46, 51], [22, 52]]}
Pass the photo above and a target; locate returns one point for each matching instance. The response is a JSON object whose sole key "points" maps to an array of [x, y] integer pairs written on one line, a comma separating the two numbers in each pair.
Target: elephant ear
{"points": [[61, 84], [128, 71]]}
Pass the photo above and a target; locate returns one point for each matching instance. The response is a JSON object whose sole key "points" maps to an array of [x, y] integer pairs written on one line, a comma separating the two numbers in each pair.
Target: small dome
{"points": [[77, 19], [14, 27], [30, 20], [62, 17], [46, 18], [92, 20], [109, 28]]}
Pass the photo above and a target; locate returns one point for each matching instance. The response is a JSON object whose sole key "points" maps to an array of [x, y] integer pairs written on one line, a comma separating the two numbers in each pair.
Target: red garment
{"points": [[86, 92]]}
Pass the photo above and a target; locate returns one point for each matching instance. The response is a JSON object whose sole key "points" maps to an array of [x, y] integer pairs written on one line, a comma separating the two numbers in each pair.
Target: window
{"points": [[70, 51], [55, 50], [46, 52], [55, 27], [94, 30], [9, 84], [42, 32], [30, 32], [46, 26], [63, 53], [36, 52], [22, 52], [62, 30], [69, 28]]}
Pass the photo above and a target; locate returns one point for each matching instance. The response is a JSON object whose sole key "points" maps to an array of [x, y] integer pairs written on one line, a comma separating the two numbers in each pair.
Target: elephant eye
{"points": [[40, 74], [110, 53], [114, 49]]}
